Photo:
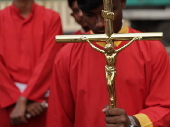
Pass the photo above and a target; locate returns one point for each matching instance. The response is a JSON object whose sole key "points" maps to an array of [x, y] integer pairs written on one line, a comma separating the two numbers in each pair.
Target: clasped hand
{"points": [[18, 114]]}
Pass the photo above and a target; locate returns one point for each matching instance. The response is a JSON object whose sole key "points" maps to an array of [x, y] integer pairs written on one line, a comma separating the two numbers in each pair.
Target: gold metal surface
{"points": [[104, 37], [109, 51], [107, 15]]}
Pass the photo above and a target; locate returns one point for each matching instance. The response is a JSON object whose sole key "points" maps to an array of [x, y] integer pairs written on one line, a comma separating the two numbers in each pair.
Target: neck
{"points": [[24, 6], [86, 29]]}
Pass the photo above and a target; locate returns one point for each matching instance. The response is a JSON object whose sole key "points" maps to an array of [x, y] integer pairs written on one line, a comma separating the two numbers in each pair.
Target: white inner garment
{"points": [[23, 86]]}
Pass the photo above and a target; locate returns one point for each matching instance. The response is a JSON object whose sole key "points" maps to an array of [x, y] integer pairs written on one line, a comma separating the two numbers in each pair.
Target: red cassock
{"points": [[27, 52], [79, 91]]}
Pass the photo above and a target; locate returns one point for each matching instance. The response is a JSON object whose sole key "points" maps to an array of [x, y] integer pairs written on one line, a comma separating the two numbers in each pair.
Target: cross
{"points": [[109, 51]]}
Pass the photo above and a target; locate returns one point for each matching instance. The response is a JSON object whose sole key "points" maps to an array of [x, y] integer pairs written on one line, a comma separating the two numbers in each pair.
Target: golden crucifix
{"points": [[109, 50]]}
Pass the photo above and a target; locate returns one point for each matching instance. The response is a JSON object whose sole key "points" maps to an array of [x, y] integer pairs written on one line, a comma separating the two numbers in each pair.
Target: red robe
{"points": [[79, 92], [27, 52]]}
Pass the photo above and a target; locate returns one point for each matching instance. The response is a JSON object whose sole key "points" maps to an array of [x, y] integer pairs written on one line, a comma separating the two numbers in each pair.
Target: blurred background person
{"points": [[27, 52], [77, 14]]}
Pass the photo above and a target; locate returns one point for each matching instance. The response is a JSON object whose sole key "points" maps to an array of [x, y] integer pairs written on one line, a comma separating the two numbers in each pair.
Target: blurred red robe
{"points": [[27, 52]]}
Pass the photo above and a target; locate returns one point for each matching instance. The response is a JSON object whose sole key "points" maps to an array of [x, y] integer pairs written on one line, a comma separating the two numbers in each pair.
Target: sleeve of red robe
{"points": [[61, 109], [157, 104], [41, 76], [9, 93]]}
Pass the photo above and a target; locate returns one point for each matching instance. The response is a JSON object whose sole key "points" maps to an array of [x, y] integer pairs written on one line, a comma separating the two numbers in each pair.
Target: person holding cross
{"points": [[79, 93], [27, 52]]}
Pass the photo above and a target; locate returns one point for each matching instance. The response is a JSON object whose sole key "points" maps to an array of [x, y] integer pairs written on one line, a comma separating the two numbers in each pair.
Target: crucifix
{"points": [[109, 50]]}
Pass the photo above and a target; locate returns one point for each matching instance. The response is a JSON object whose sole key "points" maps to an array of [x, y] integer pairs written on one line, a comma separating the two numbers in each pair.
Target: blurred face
{"points": [[96, 22], [77, 14]]}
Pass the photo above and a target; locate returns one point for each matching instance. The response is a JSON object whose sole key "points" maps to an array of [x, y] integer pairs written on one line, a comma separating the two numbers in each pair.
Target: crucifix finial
{"points": [[108, 15]]}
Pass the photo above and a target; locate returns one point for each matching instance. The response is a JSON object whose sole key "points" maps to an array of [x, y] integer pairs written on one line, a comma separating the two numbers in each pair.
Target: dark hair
{"points": [[70, 2], [86, 5]]}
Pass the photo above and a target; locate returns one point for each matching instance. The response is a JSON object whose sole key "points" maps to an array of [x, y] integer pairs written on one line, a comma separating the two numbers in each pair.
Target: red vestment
{"points": [[79, 92], [27, 52]]}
